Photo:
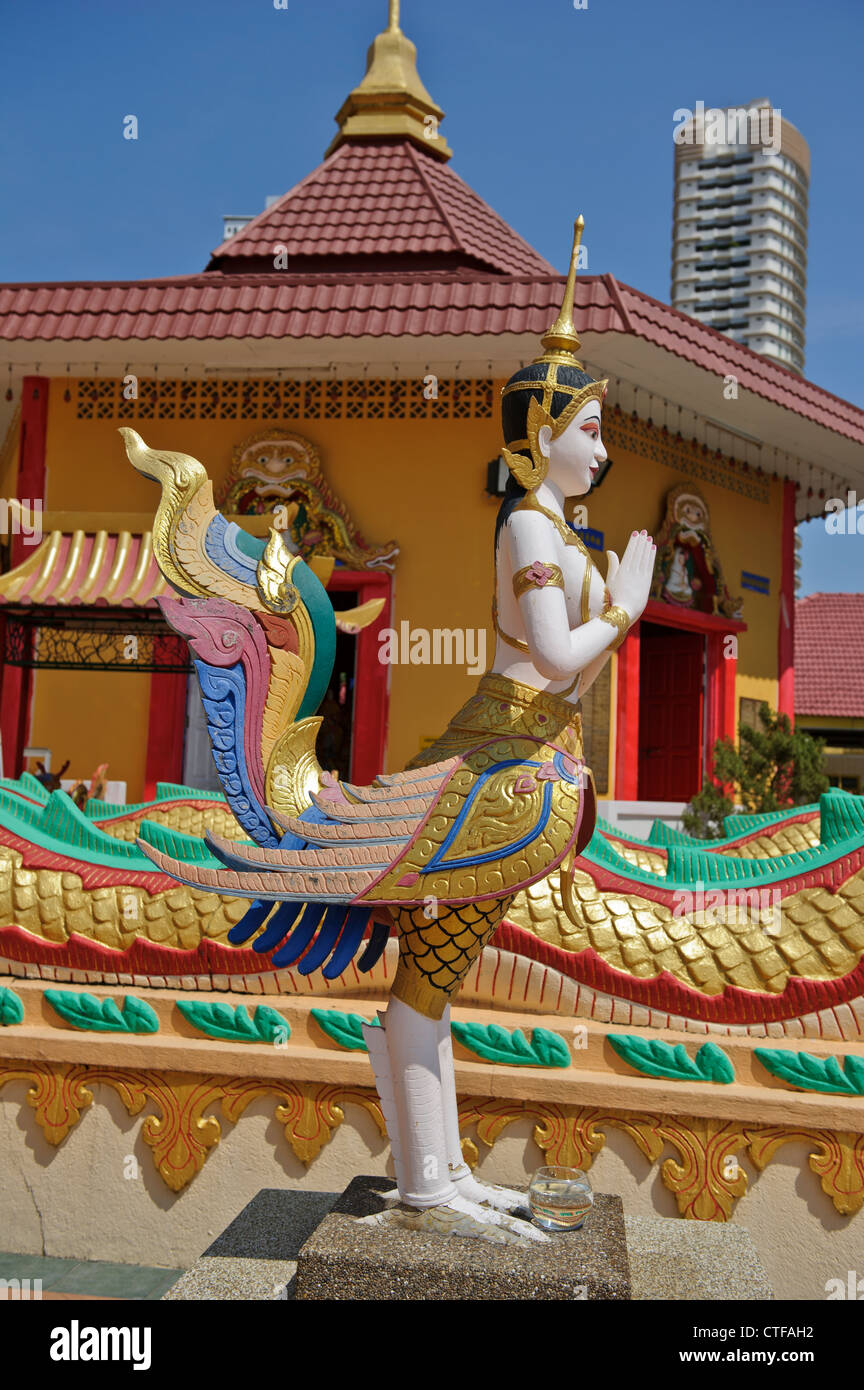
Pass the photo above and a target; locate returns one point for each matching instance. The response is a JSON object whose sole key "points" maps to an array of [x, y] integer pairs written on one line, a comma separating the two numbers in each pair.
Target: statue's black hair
{"points": [[513, 494], [514, 419]]}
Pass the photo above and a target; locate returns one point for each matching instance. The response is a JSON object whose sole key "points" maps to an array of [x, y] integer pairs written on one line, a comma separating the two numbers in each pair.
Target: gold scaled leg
{"points": [[435, 954]]}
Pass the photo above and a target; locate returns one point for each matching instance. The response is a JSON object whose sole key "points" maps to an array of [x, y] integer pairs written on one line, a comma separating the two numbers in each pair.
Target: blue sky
{"points": [[549, 110]]}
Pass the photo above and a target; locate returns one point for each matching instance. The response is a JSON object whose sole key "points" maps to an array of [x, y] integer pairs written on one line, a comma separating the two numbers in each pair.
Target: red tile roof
{"points": [[383, 240], [373, 200], [281, 304], [829, 655], [706, 347]]}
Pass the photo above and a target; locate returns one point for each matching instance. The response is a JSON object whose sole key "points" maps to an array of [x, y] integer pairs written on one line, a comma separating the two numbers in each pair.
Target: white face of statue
{"points": [[576, 455]]}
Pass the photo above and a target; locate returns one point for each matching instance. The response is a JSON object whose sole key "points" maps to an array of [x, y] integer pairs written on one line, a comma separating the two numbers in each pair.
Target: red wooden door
{"points": [[670, 713]]}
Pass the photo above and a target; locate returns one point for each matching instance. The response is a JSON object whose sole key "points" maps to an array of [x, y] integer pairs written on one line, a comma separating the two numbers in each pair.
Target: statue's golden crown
{"points": [[558, 385]]}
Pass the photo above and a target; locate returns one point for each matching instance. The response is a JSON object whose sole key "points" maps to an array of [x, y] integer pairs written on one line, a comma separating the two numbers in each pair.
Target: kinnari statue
{"points": [[439, 850]]}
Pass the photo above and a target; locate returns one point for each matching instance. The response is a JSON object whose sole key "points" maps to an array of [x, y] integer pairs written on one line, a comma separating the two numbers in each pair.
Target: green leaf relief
{"points": [[234, 1024], [814, 1073], [655, 1058], [102, 1015], [11, 1008], [496, 1044], [346, 1030]]}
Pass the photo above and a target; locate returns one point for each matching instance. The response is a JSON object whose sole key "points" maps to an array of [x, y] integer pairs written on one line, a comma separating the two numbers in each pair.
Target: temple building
{"points": [[829, 689], [337, 367]]}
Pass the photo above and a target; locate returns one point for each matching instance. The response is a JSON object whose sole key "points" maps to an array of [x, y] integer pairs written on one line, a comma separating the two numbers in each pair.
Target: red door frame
{"points": [[166, 725], [629, 658], [721, 667], [786, 630], [371, 693], [16, 682], [167, 722]]}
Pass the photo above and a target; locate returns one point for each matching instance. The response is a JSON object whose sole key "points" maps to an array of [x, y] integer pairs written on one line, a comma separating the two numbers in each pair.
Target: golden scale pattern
{"points": [[787, 840], [706, 1178], [189, 820], [644, 859], [820, 935], [790, 839], [440, 950], [54, 904]]}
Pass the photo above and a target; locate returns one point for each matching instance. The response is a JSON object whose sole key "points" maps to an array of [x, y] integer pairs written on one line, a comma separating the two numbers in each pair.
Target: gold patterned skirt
{"points": [[517, 803]]}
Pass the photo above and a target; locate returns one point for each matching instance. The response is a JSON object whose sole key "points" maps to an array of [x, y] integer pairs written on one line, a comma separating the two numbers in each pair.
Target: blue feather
{"points": [[328, 934], [378, 939], [251, 920], [223, 693], [302, 935], [278, 927], [352, 934]]}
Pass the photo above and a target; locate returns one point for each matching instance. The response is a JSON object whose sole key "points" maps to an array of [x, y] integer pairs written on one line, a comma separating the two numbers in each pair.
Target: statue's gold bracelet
{"points": [[619, 619]]}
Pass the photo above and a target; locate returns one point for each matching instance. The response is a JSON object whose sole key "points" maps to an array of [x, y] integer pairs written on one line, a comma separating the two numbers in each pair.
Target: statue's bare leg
{"points": [[501, 1198], [405, 1057]]}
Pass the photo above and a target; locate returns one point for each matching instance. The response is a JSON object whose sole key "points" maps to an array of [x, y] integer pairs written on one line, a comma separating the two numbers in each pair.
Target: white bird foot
{"points": [[499, 1198], [488, 1216], [459, 1217]]}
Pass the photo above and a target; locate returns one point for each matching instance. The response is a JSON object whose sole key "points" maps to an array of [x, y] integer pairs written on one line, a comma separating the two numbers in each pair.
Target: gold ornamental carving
{"points": [[705, 1177], [308, 1113], [709, 1179], [838, 1161], [57, 1093]]}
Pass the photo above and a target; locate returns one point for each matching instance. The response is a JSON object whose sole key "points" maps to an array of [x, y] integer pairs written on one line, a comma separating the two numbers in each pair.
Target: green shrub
{"points": [[773, 767]]}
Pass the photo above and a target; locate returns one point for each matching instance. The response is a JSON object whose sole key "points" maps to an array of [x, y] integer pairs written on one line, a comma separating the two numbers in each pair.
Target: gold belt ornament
{"points": [[504, 706]]}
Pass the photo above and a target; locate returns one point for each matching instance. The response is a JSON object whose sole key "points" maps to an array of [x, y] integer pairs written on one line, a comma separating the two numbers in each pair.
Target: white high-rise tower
{"points": [[739, 253]]}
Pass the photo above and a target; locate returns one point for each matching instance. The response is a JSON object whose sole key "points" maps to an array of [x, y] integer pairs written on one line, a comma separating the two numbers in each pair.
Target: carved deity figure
{"points": [[688, 571], [438, 851]]}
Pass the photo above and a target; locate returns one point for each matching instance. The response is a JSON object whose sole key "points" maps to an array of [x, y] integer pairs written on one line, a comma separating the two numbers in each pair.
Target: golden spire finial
{"points": [[391, 101], [561, 337]]}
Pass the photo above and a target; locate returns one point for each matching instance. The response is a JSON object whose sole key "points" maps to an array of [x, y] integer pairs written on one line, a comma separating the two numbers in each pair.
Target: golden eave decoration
{"points": [[79, 568]]}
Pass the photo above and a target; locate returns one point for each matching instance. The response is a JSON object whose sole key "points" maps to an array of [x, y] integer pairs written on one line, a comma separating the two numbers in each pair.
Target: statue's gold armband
{"points": [[537, 576], [620, 619]]}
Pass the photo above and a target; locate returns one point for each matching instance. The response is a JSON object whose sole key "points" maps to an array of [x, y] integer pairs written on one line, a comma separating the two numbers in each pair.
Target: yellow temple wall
{"points": [[420, 482], [840, 723], [93, 717]]}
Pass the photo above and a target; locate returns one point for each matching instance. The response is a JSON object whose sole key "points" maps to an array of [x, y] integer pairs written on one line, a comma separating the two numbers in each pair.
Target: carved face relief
{"points": [[276, 459], [691, 511], [576, 455]]}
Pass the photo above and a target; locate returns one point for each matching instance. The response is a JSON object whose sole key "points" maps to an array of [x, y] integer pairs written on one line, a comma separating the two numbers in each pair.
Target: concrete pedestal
{"points": [[282, 1238], [347, 1259]]}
